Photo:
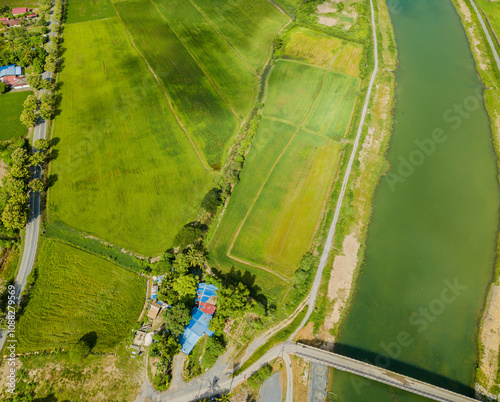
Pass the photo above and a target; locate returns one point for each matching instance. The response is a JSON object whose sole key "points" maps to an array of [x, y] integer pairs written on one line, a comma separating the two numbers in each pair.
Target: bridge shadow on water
{"points": [[409, 370]]}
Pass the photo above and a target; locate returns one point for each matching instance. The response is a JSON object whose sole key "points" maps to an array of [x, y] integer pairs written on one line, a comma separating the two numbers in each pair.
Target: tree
{"points": [[196, 257], [212, 200], [14, 185], [37, 158], [38, 66], [37, 185], [14, 216], [34, 81], [41, 144], [51, 63], [28, 118], [20, 171], [20, 156], [79, 351], [185, 286], [47, 106], [176, 319], [31, 102], [186, 236], [3, 87], [181, 264]]}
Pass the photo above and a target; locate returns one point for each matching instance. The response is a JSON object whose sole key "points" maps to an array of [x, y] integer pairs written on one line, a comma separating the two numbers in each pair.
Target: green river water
{"points": [[431, 242]]}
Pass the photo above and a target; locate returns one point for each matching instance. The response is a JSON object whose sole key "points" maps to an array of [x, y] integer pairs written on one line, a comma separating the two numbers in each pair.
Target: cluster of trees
{"points": [[165, 347], [29, 116], [261, 375], [14, 192], [58, 10], [25, 45]]}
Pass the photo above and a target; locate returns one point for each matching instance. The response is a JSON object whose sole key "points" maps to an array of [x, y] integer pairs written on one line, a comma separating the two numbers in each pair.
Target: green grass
{"points": [[125, 170], [75, 294], [280, 227], [20, 3], [492, 11], [11, 107], [277, 338], [231, 76], [293, 87], [201, 109], [331, 114], [289, 5], [88, 10], [249, 26]]}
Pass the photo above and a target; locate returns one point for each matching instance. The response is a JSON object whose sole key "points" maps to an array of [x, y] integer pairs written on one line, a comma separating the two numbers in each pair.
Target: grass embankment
{"points": [[125, 170], [11, 106], [369, 168], [75, 295], [277, 338], [488, 371]]}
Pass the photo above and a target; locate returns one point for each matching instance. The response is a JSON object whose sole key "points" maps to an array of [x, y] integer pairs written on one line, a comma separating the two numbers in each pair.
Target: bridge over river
{"points": [[374, 373]]}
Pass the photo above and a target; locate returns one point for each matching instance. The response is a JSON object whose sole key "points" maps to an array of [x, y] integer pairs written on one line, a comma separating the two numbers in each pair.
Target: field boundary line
{"points": [[300, 127], [90, 21], [212, 25], [281, 9], [303, 63], [196, 61], [253, 264], [260, 191], [195, 147]]}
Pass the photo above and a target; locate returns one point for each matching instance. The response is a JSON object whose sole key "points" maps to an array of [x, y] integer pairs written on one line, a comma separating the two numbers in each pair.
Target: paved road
{"points": [[375, 373], [487, 33], [32, 228], [271, 389]]}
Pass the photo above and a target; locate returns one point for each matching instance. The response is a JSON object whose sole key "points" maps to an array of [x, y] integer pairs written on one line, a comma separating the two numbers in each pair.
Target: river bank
{"points": [[487, 373]]}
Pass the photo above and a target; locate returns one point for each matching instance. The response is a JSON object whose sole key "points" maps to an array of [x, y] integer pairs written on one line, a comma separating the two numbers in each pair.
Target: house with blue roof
{"points": [[10, 70], [200, 319]]}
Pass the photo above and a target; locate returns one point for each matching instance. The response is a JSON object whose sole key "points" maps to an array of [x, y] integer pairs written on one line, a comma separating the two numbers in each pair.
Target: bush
{"points": [[212, 201], [214, 348], [186, 236], [79, 351], [3, 88], [258, 378]]}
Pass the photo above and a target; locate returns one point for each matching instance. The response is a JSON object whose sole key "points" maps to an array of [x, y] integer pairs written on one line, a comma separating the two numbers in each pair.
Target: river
{"points": [[432, 238]]}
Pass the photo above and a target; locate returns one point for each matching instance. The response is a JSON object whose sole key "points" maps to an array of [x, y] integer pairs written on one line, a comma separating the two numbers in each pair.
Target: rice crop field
{"points": [[249, 26], [88, 10], [281, 223], [125, 171], [312, 47], [232, 77], [11, 107], [332, 111], [202, 110], [76, 294], [293, 87], [289, 5], [348, 59]]}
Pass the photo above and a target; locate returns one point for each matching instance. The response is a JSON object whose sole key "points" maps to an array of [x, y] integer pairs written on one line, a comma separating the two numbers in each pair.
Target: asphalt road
{"points": [[487, 33], [33, 226]]}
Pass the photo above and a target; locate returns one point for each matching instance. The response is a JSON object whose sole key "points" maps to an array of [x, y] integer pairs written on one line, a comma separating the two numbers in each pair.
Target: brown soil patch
{"points": [[3, 171], [490, 336], [325, 8], [300, 370], [306, 333], [341, 280], [328, 21], [465, 11]]}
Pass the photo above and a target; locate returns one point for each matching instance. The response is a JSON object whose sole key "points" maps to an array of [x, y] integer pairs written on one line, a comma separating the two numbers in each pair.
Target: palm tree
{"points": [[196, 257]]}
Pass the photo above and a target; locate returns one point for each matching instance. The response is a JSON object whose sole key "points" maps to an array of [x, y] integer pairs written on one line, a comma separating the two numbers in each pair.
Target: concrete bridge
{"points": [[374, 373]]}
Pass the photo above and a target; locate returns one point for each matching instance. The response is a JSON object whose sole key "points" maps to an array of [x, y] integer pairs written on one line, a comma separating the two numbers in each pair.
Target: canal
{"points": [[431, 241]]}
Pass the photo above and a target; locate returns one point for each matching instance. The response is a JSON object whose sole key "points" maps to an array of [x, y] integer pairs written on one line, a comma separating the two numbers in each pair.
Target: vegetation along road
{"points": [[32, 228]]}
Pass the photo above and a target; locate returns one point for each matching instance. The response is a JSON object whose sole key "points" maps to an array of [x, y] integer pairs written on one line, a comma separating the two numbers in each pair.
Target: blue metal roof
{"points": [[197, 327], [10, 70], [204, 292]]}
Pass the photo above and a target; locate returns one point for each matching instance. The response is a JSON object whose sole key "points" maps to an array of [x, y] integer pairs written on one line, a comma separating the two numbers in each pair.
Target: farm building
{"points": [[20, 10], [154, 310], [15, 82], [197, 327], [11, 23], [4, 19], [206, 300], [12, 70]]}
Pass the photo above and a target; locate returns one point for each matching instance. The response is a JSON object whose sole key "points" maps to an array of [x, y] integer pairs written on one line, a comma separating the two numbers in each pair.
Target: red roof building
{"points": [[20, 10], [11, 23], [207, 308], [4, 19], [31, 15], [15, 82]]}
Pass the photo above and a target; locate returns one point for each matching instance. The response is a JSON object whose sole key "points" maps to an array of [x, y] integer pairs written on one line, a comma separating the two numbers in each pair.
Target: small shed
{"points": [[154, 310]]}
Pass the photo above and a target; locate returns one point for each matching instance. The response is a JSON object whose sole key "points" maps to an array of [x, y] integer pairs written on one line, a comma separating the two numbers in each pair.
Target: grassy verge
{"points": [[277, 338], [11, 106]]}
